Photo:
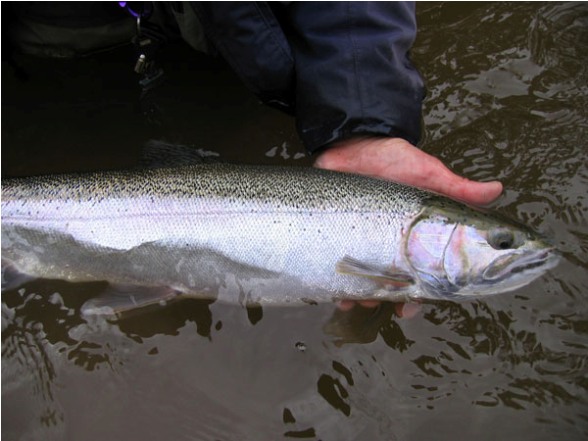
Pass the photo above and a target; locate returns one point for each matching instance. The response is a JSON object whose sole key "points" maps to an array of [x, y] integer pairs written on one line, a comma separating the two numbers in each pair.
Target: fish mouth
{"points": [[531, 263]]}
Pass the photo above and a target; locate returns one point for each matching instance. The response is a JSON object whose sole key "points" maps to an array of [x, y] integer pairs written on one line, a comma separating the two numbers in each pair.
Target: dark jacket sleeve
{"points": [[353, 72], [251, 40], [342, 68]]}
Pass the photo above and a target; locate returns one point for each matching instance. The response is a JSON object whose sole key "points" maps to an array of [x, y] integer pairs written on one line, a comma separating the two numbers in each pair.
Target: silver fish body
{"points": [[257, 234]]}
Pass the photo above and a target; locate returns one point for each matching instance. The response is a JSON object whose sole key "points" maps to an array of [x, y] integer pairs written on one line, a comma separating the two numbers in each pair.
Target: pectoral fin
{"points": [[397, 279], [11, 277], [122, 298]]}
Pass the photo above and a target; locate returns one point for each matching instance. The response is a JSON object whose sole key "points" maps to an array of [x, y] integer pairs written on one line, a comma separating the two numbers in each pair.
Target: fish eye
{"points": [[502, 239]]}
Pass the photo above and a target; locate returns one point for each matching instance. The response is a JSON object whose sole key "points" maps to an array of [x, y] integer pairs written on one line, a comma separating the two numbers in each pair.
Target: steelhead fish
{"points": [[259, 235]]}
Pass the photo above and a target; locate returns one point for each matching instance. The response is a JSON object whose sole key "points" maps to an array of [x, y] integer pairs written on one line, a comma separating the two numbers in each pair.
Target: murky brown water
{"points": [[508, 99]]}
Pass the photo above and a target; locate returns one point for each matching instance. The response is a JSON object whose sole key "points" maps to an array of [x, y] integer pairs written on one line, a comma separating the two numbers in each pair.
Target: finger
{"points": [[471, 192], [440, 179], [369, 303], [407, 310], [346, 305]]}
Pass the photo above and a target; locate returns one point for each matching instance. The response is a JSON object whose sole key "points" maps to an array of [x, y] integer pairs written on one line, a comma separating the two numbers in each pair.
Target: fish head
{"points": [[458, 253]]}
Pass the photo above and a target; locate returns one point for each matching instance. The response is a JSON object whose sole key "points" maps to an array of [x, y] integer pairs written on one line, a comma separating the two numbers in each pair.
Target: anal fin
{"points": [[119, 299], [12, 278]]}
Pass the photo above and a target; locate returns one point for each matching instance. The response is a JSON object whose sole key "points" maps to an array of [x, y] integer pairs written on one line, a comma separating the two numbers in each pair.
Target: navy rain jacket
{"points": [[342, 68]]}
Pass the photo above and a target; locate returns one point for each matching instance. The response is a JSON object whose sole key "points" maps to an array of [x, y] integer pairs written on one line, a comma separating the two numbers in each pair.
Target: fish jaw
{"points": [[519, 269]]}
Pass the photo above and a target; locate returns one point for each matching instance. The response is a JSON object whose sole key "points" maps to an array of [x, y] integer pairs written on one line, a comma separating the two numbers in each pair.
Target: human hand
{"points": [[397, 160], [403, 310]]}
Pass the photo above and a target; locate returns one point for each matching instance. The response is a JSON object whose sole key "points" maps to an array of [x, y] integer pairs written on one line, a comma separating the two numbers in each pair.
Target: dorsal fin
{"points": [[159, 154]]}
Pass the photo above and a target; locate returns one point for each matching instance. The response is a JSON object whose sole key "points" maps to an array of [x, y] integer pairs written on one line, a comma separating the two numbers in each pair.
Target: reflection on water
{"points": [[507, 99]]}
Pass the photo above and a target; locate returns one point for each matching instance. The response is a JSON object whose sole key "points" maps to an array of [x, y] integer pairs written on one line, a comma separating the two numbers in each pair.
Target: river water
{"points": [[507, 99]]}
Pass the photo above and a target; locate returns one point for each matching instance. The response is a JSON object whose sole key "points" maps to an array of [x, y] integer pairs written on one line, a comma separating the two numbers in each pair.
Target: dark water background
{"points": [[507, 99]]}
